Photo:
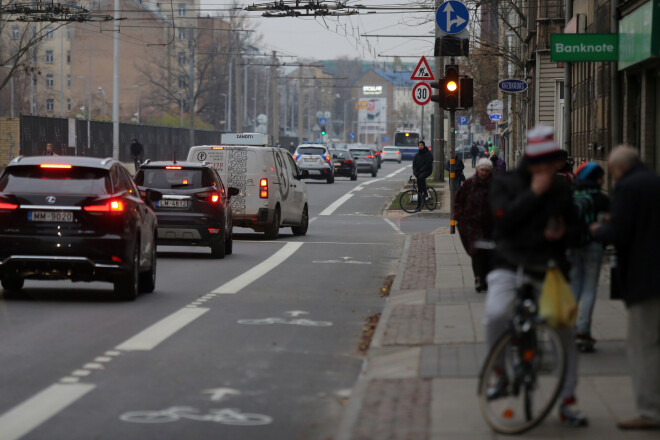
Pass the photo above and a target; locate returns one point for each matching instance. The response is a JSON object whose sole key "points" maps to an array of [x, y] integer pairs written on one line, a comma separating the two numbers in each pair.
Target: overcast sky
{"points": [[340, 36]]}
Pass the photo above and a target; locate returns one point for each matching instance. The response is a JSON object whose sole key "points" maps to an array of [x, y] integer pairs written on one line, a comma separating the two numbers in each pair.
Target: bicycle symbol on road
{"points": [[225, 416], [295, 321]]}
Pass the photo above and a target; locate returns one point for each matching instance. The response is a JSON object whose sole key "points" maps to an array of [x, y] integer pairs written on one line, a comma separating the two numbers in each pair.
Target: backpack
{"points": [[583, 199]]}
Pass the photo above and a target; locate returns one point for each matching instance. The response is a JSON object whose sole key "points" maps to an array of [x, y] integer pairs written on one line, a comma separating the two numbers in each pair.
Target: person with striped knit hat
{"points": [[534, 221]]}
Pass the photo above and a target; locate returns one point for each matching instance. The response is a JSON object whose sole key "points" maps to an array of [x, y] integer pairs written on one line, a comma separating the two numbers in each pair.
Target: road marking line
{"points": [[336, 204], [150, 337], [70, 379], [261, 269], [81, 373], [102, 359], [112, 353], [394, 226], [93, 366], [310, 242], [23, 418], [313, 219]]}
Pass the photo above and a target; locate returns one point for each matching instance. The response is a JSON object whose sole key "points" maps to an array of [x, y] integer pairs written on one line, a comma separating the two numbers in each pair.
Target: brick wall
{"points": [[9, 139]]}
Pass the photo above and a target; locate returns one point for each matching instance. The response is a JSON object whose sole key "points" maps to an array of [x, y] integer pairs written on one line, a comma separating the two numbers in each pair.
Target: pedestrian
{"points": [[633, 229], [459, 166], [136, 151], [475, 221], [586, 255], [422, 168], [533, 218], [474, 154], [566, 167], [49, 150], [499, 166]]}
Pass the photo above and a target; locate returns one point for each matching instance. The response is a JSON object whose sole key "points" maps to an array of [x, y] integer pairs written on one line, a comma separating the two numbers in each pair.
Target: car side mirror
{"points": [[304, 174], [232, 192], [153, 196]]}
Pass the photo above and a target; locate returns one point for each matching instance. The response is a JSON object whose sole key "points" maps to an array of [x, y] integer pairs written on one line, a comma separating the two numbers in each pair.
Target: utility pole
{"points": [[439, 120], [115, 86], [274, 116], [89, 97], [300, 105], [568, 78], [239, 98], [229, 94], [191, 89]]}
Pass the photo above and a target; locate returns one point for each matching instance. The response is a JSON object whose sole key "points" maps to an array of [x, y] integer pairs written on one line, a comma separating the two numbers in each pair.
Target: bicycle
{"points": [[524, 371], [409, 200]]}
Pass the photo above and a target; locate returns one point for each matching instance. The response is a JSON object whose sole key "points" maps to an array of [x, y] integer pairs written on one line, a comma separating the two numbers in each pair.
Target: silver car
{"points": [[391, 153], [317, 160], [366, 160]]}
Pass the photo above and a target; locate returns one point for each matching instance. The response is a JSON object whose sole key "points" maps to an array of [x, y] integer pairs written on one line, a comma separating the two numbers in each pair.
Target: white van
{"points": [[272, 194]]}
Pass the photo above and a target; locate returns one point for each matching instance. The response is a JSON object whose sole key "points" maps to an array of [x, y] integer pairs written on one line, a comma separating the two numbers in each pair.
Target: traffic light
{"points": [[323, 130], [448, 89], [466, 92]]}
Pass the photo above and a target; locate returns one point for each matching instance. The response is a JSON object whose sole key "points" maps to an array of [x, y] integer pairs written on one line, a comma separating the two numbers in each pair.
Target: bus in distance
{"points": [[406, 141]]}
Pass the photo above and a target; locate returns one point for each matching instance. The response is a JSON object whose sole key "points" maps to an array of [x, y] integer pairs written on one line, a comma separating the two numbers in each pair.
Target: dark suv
{"points": [[195, 208], [76, 218]]}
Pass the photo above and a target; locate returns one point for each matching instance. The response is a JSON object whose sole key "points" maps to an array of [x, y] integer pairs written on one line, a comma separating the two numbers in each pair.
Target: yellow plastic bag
{"points": [[557, 302]]}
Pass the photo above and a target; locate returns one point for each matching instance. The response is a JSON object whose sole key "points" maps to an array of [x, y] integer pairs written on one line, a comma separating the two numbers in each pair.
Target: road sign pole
{"points": [[452, 168], [437, 135]]}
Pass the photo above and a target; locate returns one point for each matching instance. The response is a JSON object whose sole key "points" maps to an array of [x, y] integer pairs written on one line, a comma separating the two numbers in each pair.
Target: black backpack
{"points": [[583, 199]]}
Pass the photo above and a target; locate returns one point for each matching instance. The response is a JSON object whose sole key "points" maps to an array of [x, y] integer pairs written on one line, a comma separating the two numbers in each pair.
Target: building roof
{"points": [[396, 77]]}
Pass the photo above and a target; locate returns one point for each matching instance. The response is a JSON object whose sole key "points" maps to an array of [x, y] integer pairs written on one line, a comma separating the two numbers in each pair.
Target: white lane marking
{"points": [[81, 373], [218, 393], [313, 219], [69, 379], [112, 353], [93, 366], [394, 226], [310, 242], [294, 313], [336, 204], [261, 269], [150, 337], [102, 359], [23, 418], [227, 416]]}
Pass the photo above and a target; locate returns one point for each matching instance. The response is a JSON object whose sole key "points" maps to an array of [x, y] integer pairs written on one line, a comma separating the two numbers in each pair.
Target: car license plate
{"points": [[50, 216], [311, 159], [166, 203]]}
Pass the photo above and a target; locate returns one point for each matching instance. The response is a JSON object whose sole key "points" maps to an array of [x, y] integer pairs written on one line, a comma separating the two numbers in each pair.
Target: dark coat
{"points": [[136, 149], [474, 151], [423, 164], [472, 212], [521, 218], [634, 229]]}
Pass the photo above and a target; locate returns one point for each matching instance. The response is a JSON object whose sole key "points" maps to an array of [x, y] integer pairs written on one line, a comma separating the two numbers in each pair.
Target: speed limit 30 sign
{"points": [[422, 93]]}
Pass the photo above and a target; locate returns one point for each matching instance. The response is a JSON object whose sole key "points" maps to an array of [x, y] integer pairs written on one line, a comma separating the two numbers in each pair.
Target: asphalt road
{"points": [[260, 345]]}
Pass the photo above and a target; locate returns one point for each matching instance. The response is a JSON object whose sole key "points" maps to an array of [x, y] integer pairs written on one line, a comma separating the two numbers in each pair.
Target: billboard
{"points": [[372, 115]]}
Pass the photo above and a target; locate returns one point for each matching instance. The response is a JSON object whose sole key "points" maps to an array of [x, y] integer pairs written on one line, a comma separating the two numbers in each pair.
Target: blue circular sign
{"points": [[512, 85], [452, 17]]}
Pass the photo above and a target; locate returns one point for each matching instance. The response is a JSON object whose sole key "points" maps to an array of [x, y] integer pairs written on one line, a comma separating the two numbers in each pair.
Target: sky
{"points": [[334, 37]]}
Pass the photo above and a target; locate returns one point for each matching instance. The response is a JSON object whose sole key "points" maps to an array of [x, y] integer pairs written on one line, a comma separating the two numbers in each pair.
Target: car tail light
{"points": [[430, 149], [348, 161], [377, 153], [111, 206], [172, 168], [56, 166], [116, 259], [218, 148], [396, 152], [143, 194], [209, 196], [8, 206], [296, 156], [369, 156], [327, 159], [263, 188], [214, 230]]}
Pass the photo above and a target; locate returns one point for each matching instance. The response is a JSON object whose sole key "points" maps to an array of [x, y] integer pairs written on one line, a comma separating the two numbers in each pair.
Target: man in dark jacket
{"points": [[534, 220], [474, 154], [633, 228], [422, 167], [136, 153]]}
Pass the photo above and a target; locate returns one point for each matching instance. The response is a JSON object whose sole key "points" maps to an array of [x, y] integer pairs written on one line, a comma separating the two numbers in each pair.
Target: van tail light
{"points": [[348, 161], [7, 206], [110, 206], [263, 188], [209, 196]]}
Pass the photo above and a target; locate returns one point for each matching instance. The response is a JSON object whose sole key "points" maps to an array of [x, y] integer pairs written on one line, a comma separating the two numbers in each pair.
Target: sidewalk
{"points": [[420, 378]]}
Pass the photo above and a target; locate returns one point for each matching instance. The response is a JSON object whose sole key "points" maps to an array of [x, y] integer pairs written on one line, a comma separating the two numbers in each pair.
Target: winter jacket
{"points": [[590, 201], [521, 218], [136, 149], [634, 230], [471, 211], [423, 164]]}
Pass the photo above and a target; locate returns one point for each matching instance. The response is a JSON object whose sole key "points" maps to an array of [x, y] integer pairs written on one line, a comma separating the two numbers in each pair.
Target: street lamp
{"points": [[345, 116], [138, 103], [181, 105], [105, 98], [224, 95]]}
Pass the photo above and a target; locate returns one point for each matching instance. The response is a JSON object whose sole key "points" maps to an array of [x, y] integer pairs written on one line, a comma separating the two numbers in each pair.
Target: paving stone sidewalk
{"points": [[420, 377]]}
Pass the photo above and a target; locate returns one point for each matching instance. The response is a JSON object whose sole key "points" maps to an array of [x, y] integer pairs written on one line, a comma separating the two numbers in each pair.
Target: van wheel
{"points": [[273, 230], [218, 249], [304, 224]]}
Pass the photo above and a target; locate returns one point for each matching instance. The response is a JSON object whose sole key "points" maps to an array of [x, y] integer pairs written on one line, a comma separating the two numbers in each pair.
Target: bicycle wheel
{"points": [[408, 201], [431, 200], [521, 379]]}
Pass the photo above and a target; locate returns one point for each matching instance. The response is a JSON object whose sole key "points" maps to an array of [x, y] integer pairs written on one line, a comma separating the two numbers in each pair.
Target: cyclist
{"points": [[422, 168], [136, 153], [534, 218]]}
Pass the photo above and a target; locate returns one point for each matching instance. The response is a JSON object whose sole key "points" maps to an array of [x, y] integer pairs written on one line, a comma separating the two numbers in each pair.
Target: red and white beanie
{"points": [[541, 145]]}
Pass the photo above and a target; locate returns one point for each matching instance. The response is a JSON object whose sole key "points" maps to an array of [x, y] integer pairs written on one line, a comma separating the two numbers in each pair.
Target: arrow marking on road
{"points": [[295, 313], [218, 393]]}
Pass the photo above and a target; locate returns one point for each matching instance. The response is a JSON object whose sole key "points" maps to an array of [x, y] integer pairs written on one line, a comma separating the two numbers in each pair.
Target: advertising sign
{"points": [[512, 85], [372, 115], [639, 35], [584, 47]]}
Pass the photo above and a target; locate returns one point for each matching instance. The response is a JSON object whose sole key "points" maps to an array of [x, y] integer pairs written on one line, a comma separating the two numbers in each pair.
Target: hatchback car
{"points": [[391, 153], [366, 160], [345, 164], [316, 159], [76, 218], [195, 209]]}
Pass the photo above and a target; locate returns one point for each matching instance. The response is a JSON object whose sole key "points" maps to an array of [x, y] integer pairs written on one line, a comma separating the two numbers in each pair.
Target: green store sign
{"points": [[640, 35], [584, 47]]}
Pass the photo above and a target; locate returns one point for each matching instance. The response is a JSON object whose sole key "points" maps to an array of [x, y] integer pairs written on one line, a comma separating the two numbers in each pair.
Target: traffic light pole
{"points": [[452, 168]]}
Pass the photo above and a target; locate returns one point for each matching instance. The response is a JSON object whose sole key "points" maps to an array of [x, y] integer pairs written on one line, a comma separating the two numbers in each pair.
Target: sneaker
{"points": [[500, 389], [570, 415], [585, 343]]}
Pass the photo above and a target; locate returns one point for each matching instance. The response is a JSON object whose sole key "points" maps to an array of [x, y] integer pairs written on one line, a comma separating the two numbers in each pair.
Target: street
{"points": [[269, 333]]}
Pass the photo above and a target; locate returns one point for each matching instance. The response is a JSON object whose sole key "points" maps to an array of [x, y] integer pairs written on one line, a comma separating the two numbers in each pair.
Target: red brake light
{"points": [[111, 206], [396, 152], [327, 159], [218, 148], [377, 153], [263, 188], [369, 156], [209, 196], [56, 166], [8, 206], [215, 198], [348, 161], [172, 168]]}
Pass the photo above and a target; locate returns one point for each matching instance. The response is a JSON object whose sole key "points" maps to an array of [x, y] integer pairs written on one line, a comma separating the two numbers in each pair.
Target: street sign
{"points": [[323, 121], [351, 135], [319, 114], [512, 85], [452, 17], [584, 47], [422, 93], [463, 120], [423, 71], [495, 107], [495, 117], [327, 115]]}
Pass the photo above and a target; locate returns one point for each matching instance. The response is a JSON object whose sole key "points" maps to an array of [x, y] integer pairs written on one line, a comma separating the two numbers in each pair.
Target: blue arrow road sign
{"points": [[351, 135], [323, 121], [463, 120], [452, 17]]}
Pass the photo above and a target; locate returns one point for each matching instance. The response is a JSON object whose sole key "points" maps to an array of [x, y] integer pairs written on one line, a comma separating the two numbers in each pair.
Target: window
{"points": [[50, 104], [49, 57], [182, 35], [15, 33], [182, 10], [183, 82], [68, 104], [182, 59], [68, 81], [49, 33], [50, 81], [68, 57]]}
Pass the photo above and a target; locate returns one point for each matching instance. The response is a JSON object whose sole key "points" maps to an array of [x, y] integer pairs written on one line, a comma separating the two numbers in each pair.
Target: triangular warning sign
{"points": [[423, 71]]}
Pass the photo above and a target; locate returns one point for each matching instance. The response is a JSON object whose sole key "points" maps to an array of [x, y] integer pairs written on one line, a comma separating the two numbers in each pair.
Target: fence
{"points": [[160, 143]]}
